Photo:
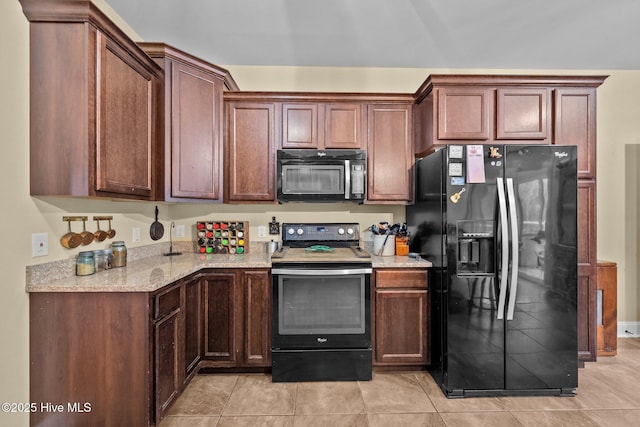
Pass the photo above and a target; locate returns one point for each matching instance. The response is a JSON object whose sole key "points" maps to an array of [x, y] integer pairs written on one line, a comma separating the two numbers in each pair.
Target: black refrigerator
{"points": [[499, 224]]}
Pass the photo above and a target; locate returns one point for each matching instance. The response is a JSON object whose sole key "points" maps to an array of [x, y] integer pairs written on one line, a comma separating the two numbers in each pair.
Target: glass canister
{"points": [[85, 264], [119, 254], [104, 259]]}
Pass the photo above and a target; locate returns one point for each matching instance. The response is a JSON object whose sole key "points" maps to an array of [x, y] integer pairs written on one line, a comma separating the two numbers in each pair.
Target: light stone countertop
{"points": [[398, 262], [154, 272]]}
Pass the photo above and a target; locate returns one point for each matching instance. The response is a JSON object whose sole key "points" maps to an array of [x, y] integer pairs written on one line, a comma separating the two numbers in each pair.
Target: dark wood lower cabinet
{"points": [[193, 326], [91, 348], [168, 384], [237, 307], [129, 355], [401, 317], [222, 308]]}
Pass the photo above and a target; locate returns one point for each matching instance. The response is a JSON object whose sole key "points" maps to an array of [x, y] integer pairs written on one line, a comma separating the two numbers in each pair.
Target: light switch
{"points": [[180, 230]]}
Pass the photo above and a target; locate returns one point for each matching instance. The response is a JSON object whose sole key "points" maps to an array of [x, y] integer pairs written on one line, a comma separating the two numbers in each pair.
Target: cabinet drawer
{"points": [[166, 302], [398, 278]]}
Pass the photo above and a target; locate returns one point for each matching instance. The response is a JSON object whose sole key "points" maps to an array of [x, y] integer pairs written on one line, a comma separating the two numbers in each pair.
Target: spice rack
{"points": [[222, 237]]}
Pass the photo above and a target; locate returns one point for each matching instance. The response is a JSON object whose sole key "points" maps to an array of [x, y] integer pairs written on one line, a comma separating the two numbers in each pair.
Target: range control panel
{"points": [[320, 233]]}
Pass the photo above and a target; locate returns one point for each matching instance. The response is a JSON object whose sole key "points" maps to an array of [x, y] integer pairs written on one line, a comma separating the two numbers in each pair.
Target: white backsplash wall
{"points": [[128, 215], [261, 215]]}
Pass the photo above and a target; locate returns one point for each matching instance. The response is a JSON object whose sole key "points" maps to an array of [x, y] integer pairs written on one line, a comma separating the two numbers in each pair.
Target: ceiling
{"points": [[496, 34]]}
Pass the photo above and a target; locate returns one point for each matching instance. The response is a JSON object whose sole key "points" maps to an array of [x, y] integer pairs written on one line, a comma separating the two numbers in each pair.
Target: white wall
{"points": [[22, 215]]}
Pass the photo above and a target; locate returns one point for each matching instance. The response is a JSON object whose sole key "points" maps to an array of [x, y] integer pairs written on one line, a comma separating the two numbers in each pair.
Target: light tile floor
{"points": [[608, 395]]}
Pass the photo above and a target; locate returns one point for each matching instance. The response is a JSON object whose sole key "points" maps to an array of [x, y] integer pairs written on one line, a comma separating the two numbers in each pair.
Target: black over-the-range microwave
{"points": [[321, 175]]}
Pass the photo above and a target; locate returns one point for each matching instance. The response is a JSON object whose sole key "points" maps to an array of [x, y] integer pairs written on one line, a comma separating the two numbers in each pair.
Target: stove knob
{"points": [[349, 231], [341, 231], [290, 231], [300, 231]]}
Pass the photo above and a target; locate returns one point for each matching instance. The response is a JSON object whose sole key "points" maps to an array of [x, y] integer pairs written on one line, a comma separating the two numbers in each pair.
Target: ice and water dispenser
{"points": [[476, 247]]}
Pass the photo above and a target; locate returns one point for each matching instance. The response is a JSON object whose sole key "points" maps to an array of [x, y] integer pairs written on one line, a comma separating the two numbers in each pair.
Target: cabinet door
{"points": [[192, 326], [196, 134], [575, 124], [522, 114], [464, 113], [299, 126], [587, 271], [222, 317], [257, 318], [389, 153], [167, 362], [250, 152], [343, 126], [124, 134], [401, 326]]}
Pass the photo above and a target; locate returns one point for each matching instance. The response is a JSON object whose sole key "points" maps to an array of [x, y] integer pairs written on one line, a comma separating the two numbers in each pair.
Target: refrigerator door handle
{"points": [[515, 259], [504, 265]]}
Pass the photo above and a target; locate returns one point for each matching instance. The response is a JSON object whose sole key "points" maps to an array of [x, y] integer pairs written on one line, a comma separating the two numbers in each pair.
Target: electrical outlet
{"points": [[262, 231], [135, 237], [39, 244], [180, 230]]}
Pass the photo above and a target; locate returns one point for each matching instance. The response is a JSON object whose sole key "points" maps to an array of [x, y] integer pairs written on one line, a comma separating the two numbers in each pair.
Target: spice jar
{"points": [[85, 264], [119, 254], [104, 259]]}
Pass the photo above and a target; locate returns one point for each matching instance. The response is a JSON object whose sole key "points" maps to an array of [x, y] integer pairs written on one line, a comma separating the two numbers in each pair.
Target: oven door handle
{"points": [[329, 272]]}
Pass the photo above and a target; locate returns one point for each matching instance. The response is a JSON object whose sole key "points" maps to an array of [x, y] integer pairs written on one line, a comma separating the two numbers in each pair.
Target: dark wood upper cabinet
{"points": [[575, 124], [506, 109], [250, 152], [343, 125], [299, 126], [93, 105], [522, 114], [322, 126], [389, 154], [463, 113], [192, 111]]}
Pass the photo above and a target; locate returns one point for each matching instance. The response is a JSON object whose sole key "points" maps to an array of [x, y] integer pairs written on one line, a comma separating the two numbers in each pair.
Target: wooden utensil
{"points": [[87, 236], [70, 240], [157, 229]]}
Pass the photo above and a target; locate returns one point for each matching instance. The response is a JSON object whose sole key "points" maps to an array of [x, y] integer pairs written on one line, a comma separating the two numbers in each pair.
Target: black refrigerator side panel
{"points": [[425, 219], [425, 223], [541, 340]]}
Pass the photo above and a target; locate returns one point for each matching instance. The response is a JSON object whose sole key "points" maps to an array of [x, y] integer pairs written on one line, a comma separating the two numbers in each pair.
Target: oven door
{"points": [[317, 308]]}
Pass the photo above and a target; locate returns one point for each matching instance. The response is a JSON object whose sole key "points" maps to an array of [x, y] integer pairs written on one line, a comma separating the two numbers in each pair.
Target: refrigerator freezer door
{"points": [[473, 337]]}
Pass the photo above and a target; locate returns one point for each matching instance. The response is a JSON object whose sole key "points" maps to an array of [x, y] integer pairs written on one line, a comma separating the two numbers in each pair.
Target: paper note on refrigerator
{"points": [[475, 164]]}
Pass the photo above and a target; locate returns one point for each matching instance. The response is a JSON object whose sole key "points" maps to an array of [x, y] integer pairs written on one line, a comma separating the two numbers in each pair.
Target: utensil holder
{"points": [[384, 245]]}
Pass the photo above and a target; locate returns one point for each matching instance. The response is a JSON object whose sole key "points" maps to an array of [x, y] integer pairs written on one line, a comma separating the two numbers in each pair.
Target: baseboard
{"points": [[628, 329]]}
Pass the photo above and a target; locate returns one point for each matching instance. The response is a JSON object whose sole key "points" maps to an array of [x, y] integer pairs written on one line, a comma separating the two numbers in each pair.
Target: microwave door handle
{"points": [[347, 179]]}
